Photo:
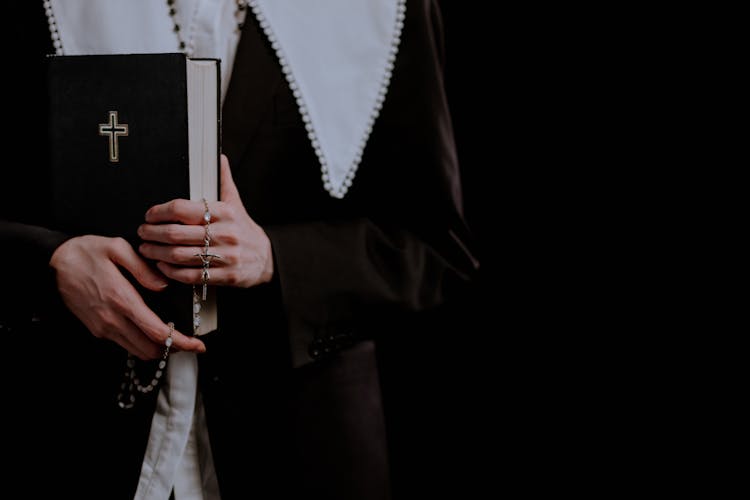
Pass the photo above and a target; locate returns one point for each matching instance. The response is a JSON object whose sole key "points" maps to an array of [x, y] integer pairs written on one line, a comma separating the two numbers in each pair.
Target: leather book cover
{"points": [[118, 131]]}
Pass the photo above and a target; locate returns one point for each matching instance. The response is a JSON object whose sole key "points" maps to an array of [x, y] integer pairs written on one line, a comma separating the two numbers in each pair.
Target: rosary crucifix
{"points": [[206, 257]]}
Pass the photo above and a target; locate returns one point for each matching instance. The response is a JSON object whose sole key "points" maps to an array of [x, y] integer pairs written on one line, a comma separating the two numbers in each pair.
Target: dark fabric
{"points": [[24, 196], [290, 379]]}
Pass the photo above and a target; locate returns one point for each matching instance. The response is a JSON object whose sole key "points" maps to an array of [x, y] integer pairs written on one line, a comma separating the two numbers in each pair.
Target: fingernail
{"points": [[163, 285]]}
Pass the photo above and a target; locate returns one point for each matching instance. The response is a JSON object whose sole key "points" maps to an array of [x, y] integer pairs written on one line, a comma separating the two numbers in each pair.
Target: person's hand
{"points": [[174, 233], [95, 290]]}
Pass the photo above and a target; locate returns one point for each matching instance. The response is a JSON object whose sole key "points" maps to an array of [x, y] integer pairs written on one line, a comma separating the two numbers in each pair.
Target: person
{"points": [[284, 397]]}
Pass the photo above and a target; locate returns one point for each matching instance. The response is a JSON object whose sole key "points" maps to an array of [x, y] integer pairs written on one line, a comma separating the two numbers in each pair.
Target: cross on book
{"points": [[113, 130]]}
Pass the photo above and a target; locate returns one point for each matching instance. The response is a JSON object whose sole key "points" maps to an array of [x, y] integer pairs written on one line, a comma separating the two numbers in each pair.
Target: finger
{"points": [[120, 330], [131, 305], [126, 344], [184, 211], [229, 193], [146, 349], [193, 276], [122, 254], [156, 330], [188, 275], [137, 344], [175, 234], [180, 255]]}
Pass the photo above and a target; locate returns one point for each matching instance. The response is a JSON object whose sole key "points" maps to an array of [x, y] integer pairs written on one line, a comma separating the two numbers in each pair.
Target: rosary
{"points": [[131, 382], [188, 46]]}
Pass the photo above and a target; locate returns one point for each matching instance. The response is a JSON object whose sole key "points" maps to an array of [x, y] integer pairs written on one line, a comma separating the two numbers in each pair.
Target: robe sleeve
{"points": [[406, 249], [28, 287]]}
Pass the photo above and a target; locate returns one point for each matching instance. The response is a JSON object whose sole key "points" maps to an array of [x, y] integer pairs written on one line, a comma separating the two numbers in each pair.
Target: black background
{"points": [[483, 399], [527, 382], [443, 386]]}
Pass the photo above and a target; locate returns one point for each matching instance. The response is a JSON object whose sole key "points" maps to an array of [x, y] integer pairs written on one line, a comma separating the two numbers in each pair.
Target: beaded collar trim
{"points": [[339, 139]]}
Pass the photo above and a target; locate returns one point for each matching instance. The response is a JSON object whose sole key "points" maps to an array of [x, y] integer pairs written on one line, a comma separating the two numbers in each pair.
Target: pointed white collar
{"points": [[337, 56]]}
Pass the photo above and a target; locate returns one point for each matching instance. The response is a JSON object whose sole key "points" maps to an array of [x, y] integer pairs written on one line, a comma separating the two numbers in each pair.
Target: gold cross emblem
{"points": [[113, 131]]}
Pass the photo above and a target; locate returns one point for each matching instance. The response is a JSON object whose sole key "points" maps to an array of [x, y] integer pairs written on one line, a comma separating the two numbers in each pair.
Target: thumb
{"points": [[229, 193]]}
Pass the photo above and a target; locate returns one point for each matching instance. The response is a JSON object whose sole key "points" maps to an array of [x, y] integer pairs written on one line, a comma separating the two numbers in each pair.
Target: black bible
{"points": [[128, 132]]}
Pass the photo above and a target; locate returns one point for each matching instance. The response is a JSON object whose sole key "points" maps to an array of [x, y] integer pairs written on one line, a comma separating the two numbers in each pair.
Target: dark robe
{"points": [[290, 379]]}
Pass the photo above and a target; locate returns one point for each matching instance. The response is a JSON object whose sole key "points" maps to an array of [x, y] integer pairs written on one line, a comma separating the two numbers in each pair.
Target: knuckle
{"points": [[166, 270], [233, 278], [229, 238], [175, 254], [172, 232], [119, 244], [108, 322], [155, 334], [171, 207], [189, 255], [232, 257], [118, 298], [180, 206]]}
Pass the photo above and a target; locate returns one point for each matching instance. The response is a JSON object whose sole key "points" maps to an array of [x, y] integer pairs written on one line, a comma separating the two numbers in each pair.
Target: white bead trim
{"points": [[340, 191], [190, 42], [54, 33]]}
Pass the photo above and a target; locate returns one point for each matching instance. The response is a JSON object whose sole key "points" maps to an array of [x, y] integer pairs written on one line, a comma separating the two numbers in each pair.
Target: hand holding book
{"points": [[93, 287], [128, 132], [174, 234]]}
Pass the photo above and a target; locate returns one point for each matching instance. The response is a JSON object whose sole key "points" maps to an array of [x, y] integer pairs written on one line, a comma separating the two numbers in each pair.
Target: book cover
{"points": [[120, 132]]}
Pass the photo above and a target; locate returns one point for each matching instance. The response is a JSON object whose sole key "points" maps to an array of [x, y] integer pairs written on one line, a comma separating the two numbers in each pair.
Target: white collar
{"points": [[337, 56]]}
